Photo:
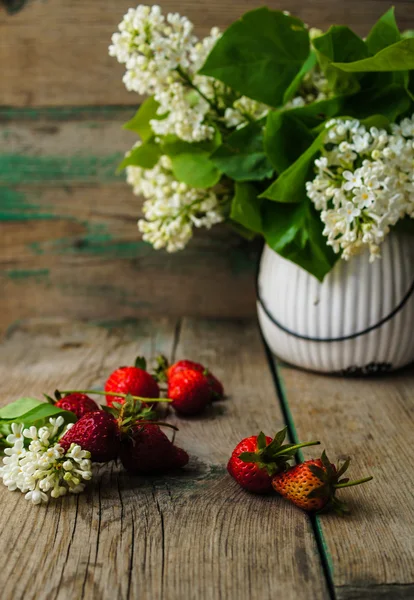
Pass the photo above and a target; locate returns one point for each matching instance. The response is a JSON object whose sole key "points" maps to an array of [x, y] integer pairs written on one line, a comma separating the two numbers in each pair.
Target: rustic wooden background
{"points": [[69, 242]]}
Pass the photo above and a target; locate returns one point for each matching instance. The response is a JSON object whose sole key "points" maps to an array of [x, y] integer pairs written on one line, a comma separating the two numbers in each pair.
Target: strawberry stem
{"points": [[297, 446], [337, 486], [116, 394]]}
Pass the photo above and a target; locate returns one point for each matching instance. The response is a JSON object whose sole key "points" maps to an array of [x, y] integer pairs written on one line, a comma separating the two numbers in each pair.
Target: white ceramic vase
{"points": [[360, 320]]}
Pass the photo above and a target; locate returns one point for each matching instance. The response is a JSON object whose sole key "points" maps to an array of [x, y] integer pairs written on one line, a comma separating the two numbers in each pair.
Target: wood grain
{"points": [[56, 53], [76, 251], [371, 420], [190, 535]]}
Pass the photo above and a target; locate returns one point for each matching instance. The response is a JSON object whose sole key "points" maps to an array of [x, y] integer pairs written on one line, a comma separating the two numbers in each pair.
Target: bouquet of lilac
{"points": [[301, 136]]}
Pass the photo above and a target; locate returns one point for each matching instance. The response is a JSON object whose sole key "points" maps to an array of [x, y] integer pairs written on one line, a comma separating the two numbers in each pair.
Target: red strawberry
{"points": [[131, 380], [189, 391], [96, 432], [80, 404], [257, 458], [312, 485], [163, 370], [145, 449]]}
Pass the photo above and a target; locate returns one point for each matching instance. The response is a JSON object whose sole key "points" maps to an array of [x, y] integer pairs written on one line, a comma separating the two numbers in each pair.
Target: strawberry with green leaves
{"points": [[165, 372], [312, 485], [256, 459], [98, 433], [131, 380]]}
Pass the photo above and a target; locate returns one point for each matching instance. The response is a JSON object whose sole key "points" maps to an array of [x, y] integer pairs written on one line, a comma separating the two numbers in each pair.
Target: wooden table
{"points": [[196, 534]]}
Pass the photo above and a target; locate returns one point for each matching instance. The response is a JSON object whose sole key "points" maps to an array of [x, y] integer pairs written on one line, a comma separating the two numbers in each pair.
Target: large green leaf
{"points": [[391, 101], [384, 33], [260, 55], [42, 413], [398, 57], [315, 113], [339, 45], [18, 408], [242, 156], [295, 232], [290, 185], [195, 169], [145, 156], [140, 123], [286, 138], [245, 207], [307, 66]]}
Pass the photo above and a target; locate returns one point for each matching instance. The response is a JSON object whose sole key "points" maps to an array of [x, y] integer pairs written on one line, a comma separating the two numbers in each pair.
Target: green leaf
{"points": [[384, 33], [245, 233], [196, 169], [295, 232], [261, 441], [315, 113], [280, 437], [245, 207], [398, 57], [18, 408], [343, 468], [290, 185], [260, 55], [340, 45], [141, 363], [42, 413], [140, 123], [249, 457], [286, 138], [391, 101], [405, 225], [307, 66], [409, 33], [146, 156], [242, 157], [318, 472], [319, 492]]}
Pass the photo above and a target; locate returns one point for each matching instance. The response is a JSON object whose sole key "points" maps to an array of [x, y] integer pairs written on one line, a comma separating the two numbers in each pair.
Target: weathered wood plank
{"points": [[371, 551], [191, 535], [55, 53], [76, 251]]}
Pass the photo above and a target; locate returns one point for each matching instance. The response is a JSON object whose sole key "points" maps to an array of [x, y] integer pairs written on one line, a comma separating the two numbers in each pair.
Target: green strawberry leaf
{"points": [[343, 468], [249, 457], [141, 363], [318, 472], [319, 492], [261, 441]]}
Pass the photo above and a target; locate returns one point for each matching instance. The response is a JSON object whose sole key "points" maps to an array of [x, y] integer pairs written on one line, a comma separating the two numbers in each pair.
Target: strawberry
{"points": [[96, 432], [189, 391], [131, 380], [312, 484], [257, 458], [163, 371], [145, 449], [80, 404]]}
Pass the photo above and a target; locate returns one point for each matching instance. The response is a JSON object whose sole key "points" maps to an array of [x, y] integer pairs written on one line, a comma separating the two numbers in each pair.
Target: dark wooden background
{"points": [[69, 244]]}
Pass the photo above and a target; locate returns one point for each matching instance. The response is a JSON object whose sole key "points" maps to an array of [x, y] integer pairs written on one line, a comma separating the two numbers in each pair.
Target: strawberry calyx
{"points": [[332, 480], [140, 363], [273, 457], [129, 412], [160, 370]]}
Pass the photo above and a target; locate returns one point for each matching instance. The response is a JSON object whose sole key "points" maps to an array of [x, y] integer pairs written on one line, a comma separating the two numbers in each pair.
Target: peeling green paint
{"points": [[23, 169], [14, 207], [23, 274]]}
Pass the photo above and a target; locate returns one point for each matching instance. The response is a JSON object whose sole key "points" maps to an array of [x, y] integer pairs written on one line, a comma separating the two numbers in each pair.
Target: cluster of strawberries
{"points": [[260, 464], [127, 426]]}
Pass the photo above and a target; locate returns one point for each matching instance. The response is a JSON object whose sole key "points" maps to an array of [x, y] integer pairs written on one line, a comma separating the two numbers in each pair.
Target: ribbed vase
{"points": [[359, 320]]}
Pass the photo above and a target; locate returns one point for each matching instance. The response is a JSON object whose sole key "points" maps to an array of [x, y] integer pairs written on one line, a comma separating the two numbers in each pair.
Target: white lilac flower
{"points": [[364, 184], [42, 468], [171, 208], [162, 57]]}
